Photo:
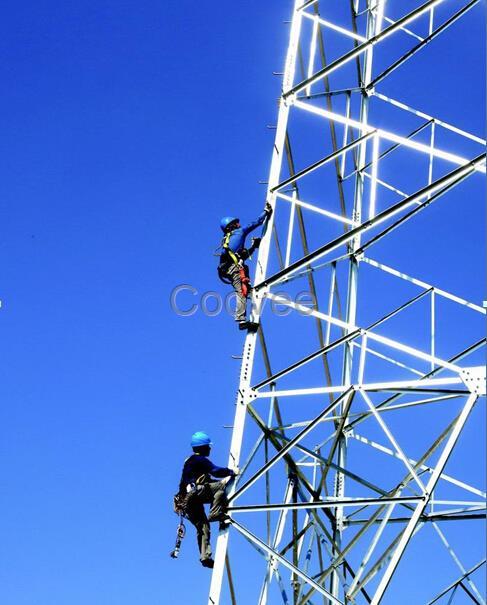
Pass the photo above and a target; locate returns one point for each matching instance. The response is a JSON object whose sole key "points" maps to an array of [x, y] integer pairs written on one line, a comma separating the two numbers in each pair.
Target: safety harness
{"points": [[228, 250], [235, 260]]}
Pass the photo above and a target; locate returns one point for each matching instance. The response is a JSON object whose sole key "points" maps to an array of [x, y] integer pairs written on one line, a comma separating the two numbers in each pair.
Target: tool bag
{"points": [[180, 500], [179, 504]]}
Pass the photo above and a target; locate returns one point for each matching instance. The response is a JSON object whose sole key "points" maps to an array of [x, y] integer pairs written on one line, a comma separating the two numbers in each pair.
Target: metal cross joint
{"points": [[475, 379]]}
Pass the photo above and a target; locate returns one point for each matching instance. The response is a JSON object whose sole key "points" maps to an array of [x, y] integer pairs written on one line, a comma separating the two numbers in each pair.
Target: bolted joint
{"points": [[251, 394], [474, 379]]}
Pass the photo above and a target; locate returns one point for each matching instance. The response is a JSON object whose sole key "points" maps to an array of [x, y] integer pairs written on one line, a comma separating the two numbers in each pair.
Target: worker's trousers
{"points": [[209, 493], [241, 309]]}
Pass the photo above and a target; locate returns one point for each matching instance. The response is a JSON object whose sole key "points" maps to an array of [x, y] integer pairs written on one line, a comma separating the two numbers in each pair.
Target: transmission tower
{"points": [[359, 424]]}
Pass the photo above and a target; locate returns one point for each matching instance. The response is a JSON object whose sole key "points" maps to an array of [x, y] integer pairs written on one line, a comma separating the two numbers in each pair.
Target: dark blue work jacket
{"points": [[197, 465]]}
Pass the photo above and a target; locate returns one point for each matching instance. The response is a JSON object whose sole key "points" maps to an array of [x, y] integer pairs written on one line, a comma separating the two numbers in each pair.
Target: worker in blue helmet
{"points": [[232, 268], [197, 488]]}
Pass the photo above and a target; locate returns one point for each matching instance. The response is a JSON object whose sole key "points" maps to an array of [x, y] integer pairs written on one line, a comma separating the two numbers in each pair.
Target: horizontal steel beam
{"points": [[387, 135], [423, 519], [331, 503], [329, 158], [307, 359], [418, 386]]}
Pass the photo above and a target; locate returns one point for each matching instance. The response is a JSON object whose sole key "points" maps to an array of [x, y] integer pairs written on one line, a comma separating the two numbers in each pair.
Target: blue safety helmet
{"points": [[199, 438], [227, 220]]}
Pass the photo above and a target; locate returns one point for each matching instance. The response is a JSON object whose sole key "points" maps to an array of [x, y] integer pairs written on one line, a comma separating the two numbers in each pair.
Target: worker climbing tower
{"points": [[359, 419]]}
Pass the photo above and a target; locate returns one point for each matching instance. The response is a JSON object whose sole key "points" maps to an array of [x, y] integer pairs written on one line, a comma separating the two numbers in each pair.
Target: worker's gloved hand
{"points": [[236, 471], [256, 242], [268, 209]]}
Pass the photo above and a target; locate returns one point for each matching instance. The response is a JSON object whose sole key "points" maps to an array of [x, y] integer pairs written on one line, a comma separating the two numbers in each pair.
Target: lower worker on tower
{"points": [[232, 268], [196, 489]]}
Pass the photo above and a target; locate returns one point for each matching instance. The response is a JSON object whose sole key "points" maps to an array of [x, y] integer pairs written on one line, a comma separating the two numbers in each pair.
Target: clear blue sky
{"points": [[128, 129]]}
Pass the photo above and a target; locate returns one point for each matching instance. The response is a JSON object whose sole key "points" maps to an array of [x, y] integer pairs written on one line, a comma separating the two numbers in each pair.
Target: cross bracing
{"points": [[359, 420]]}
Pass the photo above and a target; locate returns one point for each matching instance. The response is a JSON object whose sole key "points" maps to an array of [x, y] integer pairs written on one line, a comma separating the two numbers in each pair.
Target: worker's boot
{"points": [[224, 522], [250, 326], [208, 563]]}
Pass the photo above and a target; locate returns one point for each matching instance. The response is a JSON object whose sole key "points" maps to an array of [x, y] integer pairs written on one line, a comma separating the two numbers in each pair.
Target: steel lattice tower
{"points": [[358, 426]]}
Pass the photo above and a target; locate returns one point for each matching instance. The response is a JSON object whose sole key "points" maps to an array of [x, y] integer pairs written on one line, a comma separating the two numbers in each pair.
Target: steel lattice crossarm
{"points": [[359, 420]]}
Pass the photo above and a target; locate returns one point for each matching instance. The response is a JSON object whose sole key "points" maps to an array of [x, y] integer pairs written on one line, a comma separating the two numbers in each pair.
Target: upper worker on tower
{"points": [[232, 268]]}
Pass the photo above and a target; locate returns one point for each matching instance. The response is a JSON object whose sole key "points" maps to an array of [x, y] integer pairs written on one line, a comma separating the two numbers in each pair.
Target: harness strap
{"points": [[225, 246]]}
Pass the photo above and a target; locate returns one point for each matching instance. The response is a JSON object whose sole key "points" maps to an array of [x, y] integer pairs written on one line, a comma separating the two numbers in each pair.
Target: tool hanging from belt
{"points": [[179, 503], [180, 533], [245, 280]]}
